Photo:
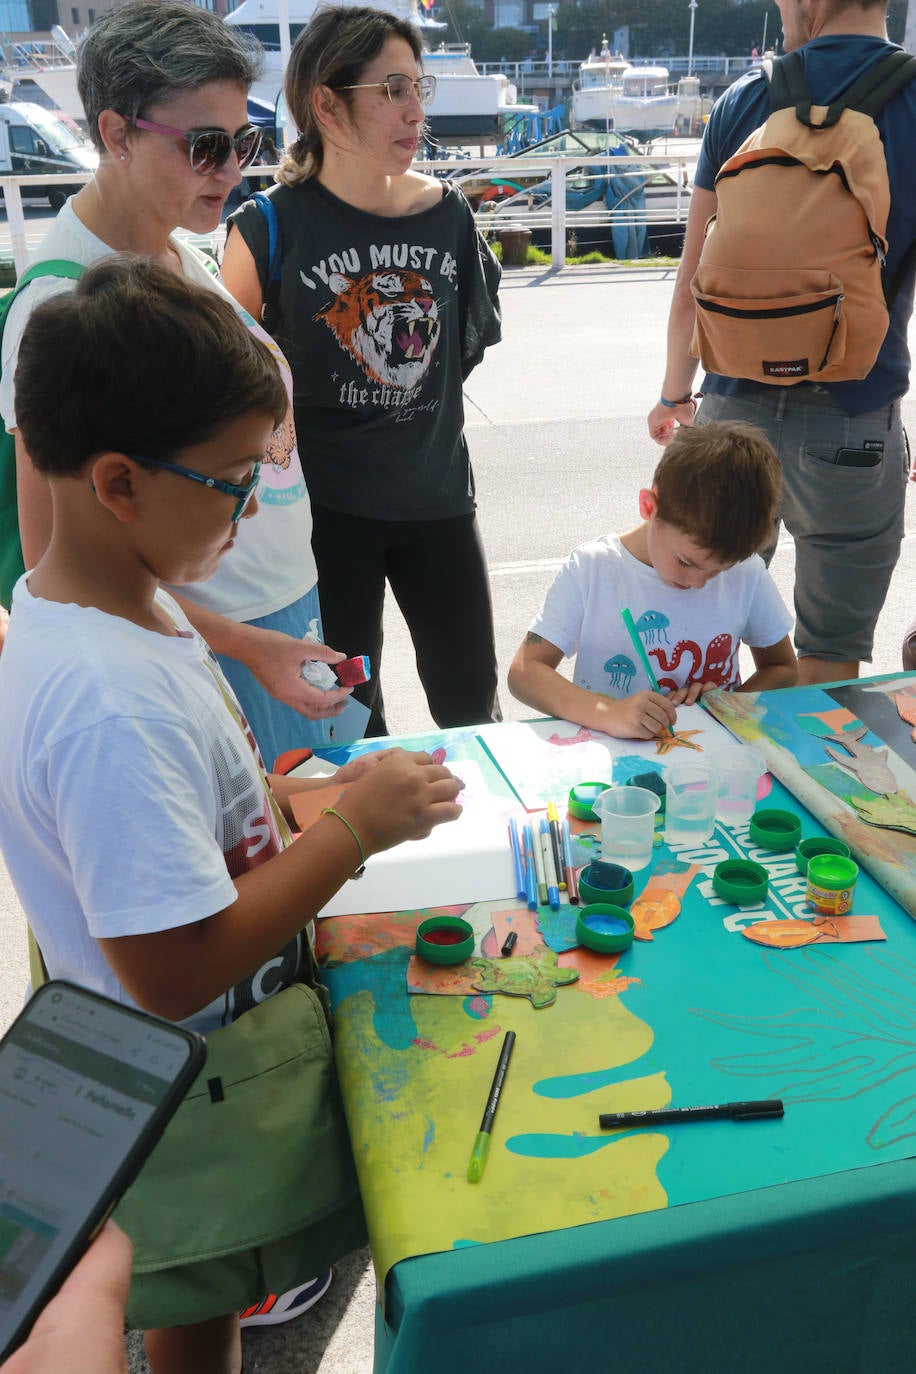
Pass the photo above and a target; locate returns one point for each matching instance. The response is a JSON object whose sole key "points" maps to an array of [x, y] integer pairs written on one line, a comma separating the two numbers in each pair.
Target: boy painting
{"points": [[150, 852], [690, 577]]}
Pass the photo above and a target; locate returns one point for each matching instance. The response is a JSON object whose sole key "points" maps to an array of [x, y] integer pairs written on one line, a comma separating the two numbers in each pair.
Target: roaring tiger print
{"points": [[388, 321]]}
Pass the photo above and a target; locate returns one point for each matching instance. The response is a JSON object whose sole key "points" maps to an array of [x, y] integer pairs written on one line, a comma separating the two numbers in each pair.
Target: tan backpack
{"points": [[790, 284]]}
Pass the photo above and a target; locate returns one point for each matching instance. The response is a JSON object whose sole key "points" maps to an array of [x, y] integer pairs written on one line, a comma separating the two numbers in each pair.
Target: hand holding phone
{"points": [[87, 1087]]}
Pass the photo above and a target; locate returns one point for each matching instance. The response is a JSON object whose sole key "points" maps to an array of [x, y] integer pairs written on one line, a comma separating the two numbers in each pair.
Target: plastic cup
{"points": [[690, 807], [739, 770], [627, 817]]}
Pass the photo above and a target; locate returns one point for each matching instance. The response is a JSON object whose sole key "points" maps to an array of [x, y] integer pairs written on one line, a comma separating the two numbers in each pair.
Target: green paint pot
{"points": [[445, 940], [740, 881], [605, 928], [603, 882], [806, 850], [775, 830], [582, 798], [831, 884]]}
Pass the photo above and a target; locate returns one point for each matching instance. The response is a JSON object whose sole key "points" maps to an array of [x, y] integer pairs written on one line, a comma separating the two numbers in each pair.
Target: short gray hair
{"points": [[149, 51]]}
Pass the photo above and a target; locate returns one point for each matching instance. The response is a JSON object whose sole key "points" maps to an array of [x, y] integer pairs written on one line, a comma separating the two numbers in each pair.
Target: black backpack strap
{"points": [[868, 94]]}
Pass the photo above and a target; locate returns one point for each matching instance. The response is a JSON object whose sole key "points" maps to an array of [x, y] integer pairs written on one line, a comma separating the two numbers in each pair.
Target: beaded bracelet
{"points": [[330, 811], [671, 404]]}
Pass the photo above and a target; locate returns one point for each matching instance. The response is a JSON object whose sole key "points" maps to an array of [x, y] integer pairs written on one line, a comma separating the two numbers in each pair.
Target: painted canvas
{"points": [[847, 752]]}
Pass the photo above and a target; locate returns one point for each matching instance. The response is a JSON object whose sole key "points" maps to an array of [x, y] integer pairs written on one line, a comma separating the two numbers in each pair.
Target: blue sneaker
{"points": [[285, 1307]]}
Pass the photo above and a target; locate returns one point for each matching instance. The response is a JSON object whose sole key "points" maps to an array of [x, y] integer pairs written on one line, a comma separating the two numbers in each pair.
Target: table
{"points": [[715, 1246]]}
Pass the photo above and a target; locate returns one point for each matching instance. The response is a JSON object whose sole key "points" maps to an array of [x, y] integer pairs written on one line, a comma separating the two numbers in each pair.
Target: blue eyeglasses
{"points": [[242, 495]]}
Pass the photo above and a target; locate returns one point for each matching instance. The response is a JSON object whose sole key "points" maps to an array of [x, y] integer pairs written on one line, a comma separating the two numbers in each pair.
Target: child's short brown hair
{"points": [[719, 484], [136, 360]]}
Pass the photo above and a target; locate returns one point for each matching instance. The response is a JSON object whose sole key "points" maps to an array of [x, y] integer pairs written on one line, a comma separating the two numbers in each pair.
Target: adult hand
{"points": [[401, 799], [663, 420], [275, 659], [82, 1328]]}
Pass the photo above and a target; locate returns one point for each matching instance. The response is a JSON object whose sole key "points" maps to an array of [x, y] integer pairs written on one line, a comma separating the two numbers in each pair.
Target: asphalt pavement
{"points": [[556, 426]]}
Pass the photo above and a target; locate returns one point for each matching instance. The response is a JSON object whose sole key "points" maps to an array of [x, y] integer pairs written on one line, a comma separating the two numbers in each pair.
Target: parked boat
{"points": [[612, 94], [600, 79]]}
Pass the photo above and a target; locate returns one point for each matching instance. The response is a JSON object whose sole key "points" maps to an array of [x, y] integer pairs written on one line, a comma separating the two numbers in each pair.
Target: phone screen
{"points": [[86, 1087]]}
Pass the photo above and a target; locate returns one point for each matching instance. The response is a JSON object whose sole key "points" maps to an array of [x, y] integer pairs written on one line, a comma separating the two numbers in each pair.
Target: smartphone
{"points": [[858, 457], [87, 1087]]}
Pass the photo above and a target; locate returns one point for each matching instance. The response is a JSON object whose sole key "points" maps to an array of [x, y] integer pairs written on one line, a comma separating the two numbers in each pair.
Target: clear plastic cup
{"points": [[740, 769], [627, 825], [690, 803]]}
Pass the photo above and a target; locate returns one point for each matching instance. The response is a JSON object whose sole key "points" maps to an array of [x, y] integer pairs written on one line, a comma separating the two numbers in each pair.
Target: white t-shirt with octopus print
{"points": [[689, 636]]}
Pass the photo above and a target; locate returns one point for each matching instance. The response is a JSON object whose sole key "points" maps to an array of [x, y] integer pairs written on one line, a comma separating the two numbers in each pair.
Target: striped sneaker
{"points": [[285, 1307]]}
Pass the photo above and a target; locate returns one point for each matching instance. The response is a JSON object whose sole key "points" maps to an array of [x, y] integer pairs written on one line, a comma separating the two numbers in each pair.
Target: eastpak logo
{"points": [[798, 367]]}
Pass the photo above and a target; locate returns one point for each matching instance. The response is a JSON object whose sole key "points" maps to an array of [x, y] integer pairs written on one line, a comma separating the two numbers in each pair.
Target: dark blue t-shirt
{"points": [[832, 64]]}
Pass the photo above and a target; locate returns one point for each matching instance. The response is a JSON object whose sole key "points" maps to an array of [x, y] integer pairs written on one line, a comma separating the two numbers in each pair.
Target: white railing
{"points": [[493, 221], [530, 70]]}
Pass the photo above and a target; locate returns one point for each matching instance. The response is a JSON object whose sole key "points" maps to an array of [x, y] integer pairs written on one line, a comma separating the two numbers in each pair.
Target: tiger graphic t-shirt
{"points": [[380, 320]]}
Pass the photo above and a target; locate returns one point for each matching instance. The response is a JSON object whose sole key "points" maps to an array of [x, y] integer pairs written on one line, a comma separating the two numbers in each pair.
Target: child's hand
{"points": [[687, 696], [401, 799], [641, 716], [358, 768]]}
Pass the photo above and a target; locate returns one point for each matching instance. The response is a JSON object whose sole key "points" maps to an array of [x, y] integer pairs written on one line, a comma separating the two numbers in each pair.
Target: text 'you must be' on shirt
{"points": [[689, 636], [381, 319]]}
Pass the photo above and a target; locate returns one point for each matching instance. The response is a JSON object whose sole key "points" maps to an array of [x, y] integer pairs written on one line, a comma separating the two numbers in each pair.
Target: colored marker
{"points": [[550, 872], [572, 882], [517, 859], [531, 891], [553, 820], [538, 864], [761, 1110], [482, 1143], [509, 943], [643, 656]]}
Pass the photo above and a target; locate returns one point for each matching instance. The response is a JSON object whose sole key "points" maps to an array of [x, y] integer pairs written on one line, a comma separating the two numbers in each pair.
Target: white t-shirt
{"points": [[689, 636], [271, 564], [130, 795]]}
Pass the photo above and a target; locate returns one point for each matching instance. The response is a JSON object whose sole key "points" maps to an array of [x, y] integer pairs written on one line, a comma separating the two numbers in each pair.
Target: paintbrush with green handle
{"points": [[643, 656]]}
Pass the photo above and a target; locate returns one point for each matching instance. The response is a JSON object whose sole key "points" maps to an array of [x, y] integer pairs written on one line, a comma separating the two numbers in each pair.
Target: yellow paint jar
{"points": [[831, 884]]}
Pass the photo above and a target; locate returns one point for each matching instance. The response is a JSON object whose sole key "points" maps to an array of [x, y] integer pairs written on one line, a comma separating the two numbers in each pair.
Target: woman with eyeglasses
{"points": [[164, 86], [374, 281]]}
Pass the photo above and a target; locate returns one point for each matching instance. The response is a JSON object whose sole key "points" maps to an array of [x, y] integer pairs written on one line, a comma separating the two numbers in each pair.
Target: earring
{"points": [[123, 157]]}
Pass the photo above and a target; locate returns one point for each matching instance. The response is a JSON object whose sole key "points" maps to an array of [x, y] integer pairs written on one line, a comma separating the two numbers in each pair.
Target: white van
{"points": [[33, 140]]}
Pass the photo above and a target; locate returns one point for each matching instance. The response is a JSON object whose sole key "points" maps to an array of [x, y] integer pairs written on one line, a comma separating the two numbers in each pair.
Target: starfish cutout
{"points": [[679, 740]]}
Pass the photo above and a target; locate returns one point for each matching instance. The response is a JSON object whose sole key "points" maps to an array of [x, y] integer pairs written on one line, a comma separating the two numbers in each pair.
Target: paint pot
{"points": [[601, 882], [775, 830], [604, 928], [445, 940], [582, 798], [740, 881], [806, 850], [831, 884]]}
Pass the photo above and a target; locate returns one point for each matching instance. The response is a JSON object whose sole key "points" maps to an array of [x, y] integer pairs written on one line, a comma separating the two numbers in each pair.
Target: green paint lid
{"points": [[740, 881], [582, 799], [605, 928], [772, 829], [605, 882], [806, 850], [445, 940], [833, 872]]}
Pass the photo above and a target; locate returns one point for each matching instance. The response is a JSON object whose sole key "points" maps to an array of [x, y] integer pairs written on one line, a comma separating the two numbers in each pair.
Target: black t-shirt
{"points": [[381, 319]]}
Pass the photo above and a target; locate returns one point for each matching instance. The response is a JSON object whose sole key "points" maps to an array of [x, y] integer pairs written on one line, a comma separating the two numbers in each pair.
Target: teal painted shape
{"points": [[542, 1146], [577, 1084]]}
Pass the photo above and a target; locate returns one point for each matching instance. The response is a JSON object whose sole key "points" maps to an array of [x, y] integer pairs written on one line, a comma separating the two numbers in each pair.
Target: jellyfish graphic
{"points": [[621, 672], [654, 625]]}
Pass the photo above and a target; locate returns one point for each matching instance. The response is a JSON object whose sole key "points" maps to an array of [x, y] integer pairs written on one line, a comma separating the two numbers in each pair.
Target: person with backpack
{"points": [[827, 389], [164, 85]]}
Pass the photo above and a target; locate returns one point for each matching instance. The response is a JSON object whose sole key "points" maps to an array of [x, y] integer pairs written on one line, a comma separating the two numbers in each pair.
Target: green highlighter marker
{"points": [[482, 1143], [643, 656]]}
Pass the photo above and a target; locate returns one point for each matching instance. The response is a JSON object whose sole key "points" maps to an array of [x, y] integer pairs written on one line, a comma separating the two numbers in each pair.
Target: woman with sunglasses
{"points": [[383, 296], [164, 86]]}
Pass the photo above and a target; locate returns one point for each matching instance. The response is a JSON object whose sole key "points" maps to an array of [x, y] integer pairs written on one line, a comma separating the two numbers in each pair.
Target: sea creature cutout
{"points": [[654, 911], [846, 930], [536, 977], [894, 812], [582, 736], [866, 763], [906, 709], [681, 739]]}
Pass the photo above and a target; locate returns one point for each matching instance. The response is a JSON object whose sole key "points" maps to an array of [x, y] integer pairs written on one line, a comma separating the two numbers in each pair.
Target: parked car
{"points": [[34, 141]]}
